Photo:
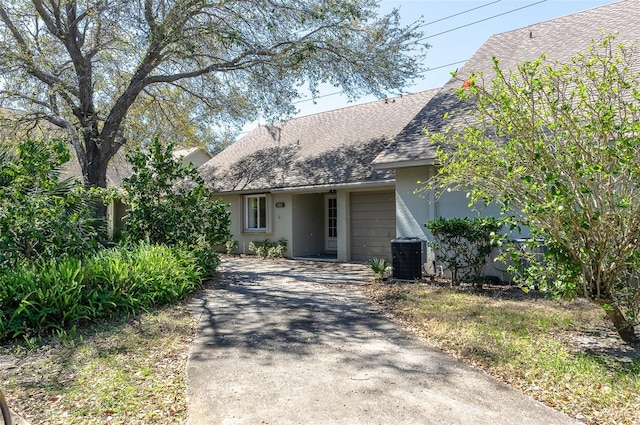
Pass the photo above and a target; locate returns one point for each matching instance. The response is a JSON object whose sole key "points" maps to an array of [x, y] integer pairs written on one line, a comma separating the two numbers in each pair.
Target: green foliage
{"points": [[462, 245], [170, 204], [231, 246], [268, 248], [189, 68], [556, 144], [208, 259], [58, 295], [43, 216], [380, 266]]}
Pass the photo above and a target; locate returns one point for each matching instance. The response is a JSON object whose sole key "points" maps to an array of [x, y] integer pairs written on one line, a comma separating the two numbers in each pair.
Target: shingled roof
{"points": [[329, 148], [559, 39]]}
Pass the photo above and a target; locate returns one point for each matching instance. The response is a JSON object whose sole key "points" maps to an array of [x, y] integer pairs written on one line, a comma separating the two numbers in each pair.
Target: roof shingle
{"points": [[559, 39], [334, 147]]}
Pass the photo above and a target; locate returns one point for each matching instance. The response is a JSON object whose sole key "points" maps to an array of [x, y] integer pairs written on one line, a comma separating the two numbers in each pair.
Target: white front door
{"points": [[331, 223]]}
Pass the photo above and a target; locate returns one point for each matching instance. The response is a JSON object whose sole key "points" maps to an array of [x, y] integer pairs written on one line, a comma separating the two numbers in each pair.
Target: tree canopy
{"points": [[108, 71], [558, 146]]}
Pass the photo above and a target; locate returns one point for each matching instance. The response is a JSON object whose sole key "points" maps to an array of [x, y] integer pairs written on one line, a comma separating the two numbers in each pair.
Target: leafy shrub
{"points": [[36, 299], [268, 248], [208, 260], [380, 266], [231, 246], [463, 244], [170, 204], [146, 275], [42, 216]]}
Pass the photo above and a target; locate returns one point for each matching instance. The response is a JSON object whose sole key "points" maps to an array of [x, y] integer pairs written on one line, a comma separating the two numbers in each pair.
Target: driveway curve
{"points": [[295, 342]]}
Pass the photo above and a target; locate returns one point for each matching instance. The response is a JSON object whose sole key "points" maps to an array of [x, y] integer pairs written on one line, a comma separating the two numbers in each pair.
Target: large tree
{"points": [[87, 65], [558, 146]]}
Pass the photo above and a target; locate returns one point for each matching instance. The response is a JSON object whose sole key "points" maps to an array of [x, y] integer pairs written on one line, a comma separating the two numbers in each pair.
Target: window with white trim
{"points": [[256, 213]]}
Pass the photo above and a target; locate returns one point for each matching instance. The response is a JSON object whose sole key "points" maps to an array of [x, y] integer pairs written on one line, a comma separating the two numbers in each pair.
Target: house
{"points": [[412, 156], [310, 180], [344, 182]]}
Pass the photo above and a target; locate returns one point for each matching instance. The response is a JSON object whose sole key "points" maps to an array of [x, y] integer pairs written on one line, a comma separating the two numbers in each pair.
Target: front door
{"points": [[331, 224]]}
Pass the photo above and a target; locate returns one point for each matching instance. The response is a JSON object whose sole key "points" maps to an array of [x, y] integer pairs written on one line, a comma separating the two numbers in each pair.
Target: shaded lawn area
{"points": [[129, 371], [563, 354]]}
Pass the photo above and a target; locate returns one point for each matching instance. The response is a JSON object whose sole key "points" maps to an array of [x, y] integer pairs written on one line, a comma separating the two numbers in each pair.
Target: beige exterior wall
{"points": [[302, 221], [197, 158], [279, 219], [414, 210]]}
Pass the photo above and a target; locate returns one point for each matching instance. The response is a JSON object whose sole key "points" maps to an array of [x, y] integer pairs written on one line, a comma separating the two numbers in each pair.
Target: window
{"points": [[332, 217], [255, 213]]}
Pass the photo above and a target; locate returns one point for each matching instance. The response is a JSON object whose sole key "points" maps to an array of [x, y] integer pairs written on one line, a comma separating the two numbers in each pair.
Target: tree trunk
{"points": [[95, 172], [624, 328]]}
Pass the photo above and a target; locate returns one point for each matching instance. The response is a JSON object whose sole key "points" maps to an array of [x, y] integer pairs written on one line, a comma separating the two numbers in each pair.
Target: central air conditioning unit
{"points": [[406, 258]]}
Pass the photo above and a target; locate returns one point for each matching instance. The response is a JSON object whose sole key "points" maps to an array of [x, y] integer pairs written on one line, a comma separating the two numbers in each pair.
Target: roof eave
{"points": [[404, 164], [312, 188]]}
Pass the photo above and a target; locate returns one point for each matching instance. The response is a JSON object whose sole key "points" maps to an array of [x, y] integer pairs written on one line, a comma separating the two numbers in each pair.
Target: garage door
{"points": [[373, 224]]}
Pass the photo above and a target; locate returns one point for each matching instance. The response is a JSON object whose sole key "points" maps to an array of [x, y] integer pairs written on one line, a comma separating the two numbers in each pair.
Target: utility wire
{"points": [[341, 92], [434, 35], [443, 32], [309, 99], [482, 20], [458, 14]]}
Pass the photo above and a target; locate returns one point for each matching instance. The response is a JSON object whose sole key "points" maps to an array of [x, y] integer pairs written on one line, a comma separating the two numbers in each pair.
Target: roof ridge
{"points": [[344, 108], [561, 17]]}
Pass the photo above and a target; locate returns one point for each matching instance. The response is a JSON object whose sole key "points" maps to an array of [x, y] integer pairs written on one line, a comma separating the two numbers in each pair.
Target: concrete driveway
{"points": [[293, 342]]}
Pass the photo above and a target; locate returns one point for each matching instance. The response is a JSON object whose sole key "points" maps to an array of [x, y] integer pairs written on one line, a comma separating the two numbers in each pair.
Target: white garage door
{"points": [[373, 224]]}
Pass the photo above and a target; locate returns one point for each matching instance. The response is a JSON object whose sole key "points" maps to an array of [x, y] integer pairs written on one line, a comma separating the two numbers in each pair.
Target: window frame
{"points": [[247, 213]]}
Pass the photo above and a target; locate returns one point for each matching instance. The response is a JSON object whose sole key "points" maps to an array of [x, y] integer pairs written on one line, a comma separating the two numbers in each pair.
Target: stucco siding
{"points": [[279, 218], [414, 210]]}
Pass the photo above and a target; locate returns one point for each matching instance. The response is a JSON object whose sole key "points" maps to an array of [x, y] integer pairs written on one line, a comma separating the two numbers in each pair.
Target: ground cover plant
{"points": [[268, 248], [118, 372], [563, 354], [59, 295]]}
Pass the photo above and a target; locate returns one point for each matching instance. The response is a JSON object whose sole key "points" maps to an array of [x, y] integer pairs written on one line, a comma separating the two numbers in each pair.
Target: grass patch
{"points": [[563, 354], [120, 372]]}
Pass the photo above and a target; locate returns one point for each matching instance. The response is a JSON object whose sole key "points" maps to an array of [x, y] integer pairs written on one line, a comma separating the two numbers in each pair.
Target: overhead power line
{"points": [[309, 99], [482, 20], [458, 14], [434, 35]]}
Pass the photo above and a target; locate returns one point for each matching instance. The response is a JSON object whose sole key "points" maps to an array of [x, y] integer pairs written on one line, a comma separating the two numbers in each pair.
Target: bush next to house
{"points": [[462, 245], [268, 248], [42, 216], [56, 295], [54, 274], [231, 246], [556, 145], [170, 204]]}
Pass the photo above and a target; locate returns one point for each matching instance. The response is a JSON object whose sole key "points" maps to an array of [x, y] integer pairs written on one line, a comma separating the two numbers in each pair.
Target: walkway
{"points": [[294, 342]]}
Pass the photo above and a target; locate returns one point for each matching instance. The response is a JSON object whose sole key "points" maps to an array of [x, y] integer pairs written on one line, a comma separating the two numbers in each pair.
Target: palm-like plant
{"points": [[380, 266]]}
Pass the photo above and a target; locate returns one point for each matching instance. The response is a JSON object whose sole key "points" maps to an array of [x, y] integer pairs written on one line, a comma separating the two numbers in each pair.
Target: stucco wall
{"points": [[279, 220], [414, 210]]}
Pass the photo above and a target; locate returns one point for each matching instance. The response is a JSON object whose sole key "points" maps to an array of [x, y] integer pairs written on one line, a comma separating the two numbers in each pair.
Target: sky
{"points": [[454, 39], [455, 29]]}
